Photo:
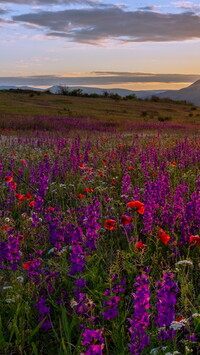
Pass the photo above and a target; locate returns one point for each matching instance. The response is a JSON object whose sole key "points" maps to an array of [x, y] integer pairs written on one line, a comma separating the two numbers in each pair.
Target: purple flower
{"points": [[88, 337], [166, 301], [140, 320]]}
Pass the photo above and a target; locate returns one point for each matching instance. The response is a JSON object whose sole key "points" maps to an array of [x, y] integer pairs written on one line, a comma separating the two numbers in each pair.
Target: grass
{"points": [[105, 109], [65, 274]]}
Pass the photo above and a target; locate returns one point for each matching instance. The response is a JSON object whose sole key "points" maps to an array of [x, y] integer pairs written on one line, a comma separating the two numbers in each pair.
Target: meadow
{"points": [[99, 226]]}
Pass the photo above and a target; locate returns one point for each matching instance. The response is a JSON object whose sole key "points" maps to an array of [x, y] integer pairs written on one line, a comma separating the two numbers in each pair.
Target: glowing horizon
{"points": [[86, 39]]}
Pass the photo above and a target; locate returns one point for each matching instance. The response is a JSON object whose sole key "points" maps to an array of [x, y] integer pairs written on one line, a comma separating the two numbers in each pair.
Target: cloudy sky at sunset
{"points": [[129, 44]]}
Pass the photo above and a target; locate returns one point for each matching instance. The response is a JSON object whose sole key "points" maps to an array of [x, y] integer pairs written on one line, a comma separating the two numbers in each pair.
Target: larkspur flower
{"points": [[165, 305], [140, 320], [88, 337]]}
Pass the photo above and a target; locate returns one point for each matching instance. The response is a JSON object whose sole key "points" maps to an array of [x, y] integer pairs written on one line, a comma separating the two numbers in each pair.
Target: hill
{"points": [[28, 109], [142, 94], [88, 90], [190, 94]]}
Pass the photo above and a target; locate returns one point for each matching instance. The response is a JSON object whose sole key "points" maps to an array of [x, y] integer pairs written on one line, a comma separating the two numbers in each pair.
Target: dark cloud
{"points": [[147, 8], [3, 11], [101, 78], [96, 24]]}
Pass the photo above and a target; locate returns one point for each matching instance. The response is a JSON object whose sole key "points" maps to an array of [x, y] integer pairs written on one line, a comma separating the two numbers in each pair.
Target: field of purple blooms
{"points": [[99, 240]]}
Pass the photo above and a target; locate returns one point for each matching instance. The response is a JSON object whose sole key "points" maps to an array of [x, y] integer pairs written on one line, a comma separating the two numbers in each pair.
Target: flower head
{"points": [[139, 206], [140, 245], [126, 219], [164, 238], [8, 178], [110, 224], [195, 239]]}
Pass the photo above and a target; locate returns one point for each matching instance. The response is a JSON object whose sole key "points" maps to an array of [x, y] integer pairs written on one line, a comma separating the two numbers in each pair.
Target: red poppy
{"points": [[82, 166], [29, 196], [20, 197], [5, 227], [140, 245], [131, 168], [14, 153], [104, 161], [9, 178], [141, 210], [164, 238], [195, 239], [173, 163], [101, 174], [81, 196], [110, 224], [27, 265], [113, 182], [126, 219], [23, 161], [45, 155], [139, 206], [32, 204], [49, 209], [87, 189], [179, 319]]}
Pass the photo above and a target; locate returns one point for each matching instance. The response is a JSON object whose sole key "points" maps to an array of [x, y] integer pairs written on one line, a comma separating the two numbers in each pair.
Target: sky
{"points": [[138, 45]]}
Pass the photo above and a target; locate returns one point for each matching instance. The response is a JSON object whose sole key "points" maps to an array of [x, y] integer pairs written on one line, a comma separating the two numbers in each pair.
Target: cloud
{"points": [[45, 2], [96, 24], [190, 6], [99, 78], [148, 8], [3, 11]]}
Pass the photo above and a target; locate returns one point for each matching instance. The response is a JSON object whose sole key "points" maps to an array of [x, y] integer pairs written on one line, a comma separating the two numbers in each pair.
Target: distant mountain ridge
{"points": [[190, 94], [6, 87], [89, 90]]}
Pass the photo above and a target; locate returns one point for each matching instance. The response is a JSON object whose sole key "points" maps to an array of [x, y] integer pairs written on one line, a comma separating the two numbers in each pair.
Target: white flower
{"points": [[73, 303], [155, 351], [63, 250], [196, 315], [7, 287], [9, 300], [188, 349], [178, 325], [7, 219], [184, 262], [174, 353], [51, 250], [20, 279]]}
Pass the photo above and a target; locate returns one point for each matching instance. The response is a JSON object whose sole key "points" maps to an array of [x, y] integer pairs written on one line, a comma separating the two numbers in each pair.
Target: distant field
{"points": [[47, 111]]}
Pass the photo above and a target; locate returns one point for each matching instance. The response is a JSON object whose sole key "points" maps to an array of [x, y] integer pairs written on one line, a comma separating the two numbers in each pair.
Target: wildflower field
{"points": [[99, 239]]}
